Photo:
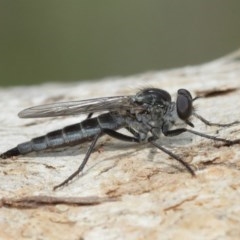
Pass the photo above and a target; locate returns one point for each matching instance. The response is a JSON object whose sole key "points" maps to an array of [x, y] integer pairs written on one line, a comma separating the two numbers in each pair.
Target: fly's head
{"points": [[184, 106], [179, 113]]}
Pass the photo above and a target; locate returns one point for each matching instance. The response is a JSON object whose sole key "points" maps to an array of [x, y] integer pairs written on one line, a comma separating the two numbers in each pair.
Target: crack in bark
{"points": [[175, 206], [39, 201]]}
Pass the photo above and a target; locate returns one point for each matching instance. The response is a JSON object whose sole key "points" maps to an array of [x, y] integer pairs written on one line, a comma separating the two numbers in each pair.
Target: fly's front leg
{"points": [[178, 131], [215, 124]]}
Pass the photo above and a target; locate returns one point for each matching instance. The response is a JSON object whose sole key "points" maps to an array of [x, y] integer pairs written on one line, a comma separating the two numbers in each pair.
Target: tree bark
{"points": [[127, 191]]}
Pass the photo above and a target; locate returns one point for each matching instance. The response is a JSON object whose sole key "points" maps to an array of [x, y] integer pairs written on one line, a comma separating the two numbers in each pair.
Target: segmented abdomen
{"points": [[70, 135]]}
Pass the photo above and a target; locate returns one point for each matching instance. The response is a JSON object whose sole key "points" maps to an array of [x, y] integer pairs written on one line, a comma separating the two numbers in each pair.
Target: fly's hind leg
{"points": [[89, 115], [133, 132], [89, 152], [109, 132], [120, 136]]}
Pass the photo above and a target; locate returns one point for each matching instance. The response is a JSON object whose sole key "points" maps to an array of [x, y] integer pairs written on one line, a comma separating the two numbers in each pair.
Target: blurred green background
{"points": [[57, 40]]}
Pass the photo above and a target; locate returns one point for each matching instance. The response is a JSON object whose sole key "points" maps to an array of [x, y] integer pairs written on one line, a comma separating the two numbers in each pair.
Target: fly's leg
{"points": [[151, 140], [120, 136], [133, 132], [182, 130], [89, 115], [172, 155], [89, 151], [215, 124], [109, 132]]}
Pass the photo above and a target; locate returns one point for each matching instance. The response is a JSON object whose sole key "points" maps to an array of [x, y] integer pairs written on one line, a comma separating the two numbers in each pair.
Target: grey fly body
{"points": [[146, 115]]}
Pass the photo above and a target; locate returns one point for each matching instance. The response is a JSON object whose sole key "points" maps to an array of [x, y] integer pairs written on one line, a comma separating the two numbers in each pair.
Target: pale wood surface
{"points": [[132, 192]]}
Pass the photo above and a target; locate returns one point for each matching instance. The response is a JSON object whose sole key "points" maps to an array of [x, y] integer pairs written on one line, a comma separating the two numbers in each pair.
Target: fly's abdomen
{"points": [[70, 135]]}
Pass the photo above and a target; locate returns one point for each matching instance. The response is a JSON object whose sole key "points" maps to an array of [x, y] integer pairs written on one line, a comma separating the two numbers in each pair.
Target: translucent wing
{"points": [[78, 107]]}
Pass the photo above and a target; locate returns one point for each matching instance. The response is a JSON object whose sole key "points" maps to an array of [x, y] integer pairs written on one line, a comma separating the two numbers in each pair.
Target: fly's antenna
{"points": [[197, 97]]}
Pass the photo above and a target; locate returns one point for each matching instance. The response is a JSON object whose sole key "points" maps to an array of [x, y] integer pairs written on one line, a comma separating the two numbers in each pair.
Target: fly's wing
{"points": [[78, 107]]}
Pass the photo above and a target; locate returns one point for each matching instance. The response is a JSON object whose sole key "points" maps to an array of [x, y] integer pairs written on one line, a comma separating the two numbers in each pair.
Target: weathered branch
{"points": [[157, 198]]}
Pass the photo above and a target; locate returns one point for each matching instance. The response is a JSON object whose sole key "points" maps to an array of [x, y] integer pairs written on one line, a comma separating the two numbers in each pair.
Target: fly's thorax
{"points": [[139, 122], [148, 121], [151, 97]]}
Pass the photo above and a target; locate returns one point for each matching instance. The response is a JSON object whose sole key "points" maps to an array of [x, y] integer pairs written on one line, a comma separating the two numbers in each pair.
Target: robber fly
{"points": [[146, 116]]}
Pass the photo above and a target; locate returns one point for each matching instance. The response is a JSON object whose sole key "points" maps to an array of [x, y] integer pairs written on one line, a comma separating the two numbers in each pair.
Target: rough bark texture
{"points": [[127, 191]]}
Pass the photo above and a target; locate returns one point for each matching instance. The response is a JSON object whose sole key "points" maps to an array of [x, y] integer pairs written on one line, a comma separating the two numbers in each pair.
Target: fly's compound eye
{"points": [[184, 104]]}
